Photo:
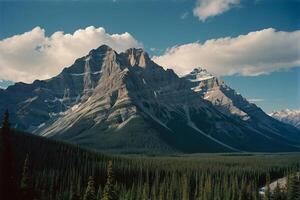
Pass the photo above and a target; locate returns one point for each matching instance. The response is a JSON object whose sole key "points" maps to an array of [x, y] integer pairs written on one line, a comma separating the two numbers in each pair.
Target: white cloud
{"points": [[32, 55], [210, 8], [254, 100], [255, 53]]}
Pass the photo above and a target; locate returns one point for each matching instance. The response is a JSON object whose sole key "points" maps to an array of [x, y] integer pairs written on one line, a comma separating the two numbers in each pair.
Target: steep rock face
{"points": [[130, 92], [97, 122], [214, 90], [288, 116], [233, 104], [127, 103], [137, 57], [33, 104], [134, 89]]}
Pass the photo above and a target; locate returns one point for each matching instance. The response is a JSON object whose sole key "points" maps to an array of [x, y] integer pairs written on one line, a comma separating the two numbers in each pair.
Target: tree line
{"points": [[38, 168]]}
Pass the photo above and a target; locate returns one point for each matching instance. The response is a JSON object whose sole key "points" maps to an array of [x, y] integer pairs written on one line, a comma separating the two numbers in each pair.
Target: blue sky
{"points": [[156, 23], [160, 25]]}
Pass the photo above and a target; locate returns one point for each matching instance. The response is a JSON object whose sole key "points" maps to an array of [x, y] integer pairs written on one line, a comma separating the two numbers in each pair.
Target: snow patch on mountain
{"points": [[288, 116], [134, 99], [85, 73], [212, 89], [199, 74], [5, 83], [41, 125]]}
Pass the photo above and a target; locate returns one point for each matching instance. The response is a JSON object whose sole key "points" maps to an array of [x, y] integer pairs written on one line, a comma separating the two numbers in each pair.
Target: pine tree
{"points": [[267, 188], [78, 189], [277, 194], [109, 192], [73, 193], [153, 192], [99, 193], [146, 189], [162, 191], [185, 188], [90, 190], [293, 192], [8, 184], [243, 194], [26, 181]]}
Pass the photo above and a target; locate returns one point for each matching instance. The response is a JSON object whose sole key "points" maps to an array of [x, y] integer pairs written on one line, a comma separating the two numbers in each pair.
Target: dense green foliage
{"points": [[90, 193], [8, 184], [62, 171], [293, 190], [56, 170], [109, 192], [26, 186]]}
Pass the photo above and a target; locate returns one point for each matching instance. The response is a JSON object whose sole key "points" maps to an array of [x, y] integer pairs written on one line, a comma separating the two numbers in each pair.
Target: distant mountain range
{"points": [[4, 84], [127, 103], [288, 116]]}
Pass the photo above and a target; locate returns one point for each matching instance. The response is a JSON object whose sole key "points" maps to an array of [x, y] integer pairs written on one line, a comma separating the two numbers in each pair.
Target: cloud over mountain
{"points": [[255, 53], [33, 55], [210, 8]]}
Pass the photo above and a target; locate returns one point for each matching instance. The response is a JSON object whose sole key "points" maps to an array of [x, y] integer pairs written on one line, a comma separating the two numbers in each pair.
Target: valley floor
{"points": [[56, 170]]}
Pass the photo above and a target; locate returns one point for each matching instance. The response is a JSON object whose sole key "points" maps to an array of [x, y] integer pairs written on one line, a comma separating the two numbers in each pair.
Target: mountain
{"points": [[291, 117], [127, 103], [231, 103], [4, 84], [225, 99]]}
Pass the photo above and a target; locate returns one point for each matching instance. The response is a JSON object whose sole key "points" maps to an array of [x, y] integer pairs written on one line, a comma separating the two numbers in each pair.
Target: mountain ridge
{"points": [[288, 116], [126, 102]]}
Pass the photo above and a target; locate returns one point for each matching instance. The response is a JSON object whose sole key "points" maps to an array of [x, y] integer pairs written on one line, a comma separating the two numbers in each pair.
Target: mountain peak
{"points": [[104, 47], [137, 57], [199, 70], [125, 102], [288, 116], [199, 74], [100, 50]]}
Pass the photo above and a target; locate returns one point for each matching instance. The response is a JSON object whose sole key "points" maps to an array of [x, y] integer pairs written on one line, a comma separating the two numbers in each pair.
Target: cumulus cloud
{"points": [[210, 8], [255, 53], [33, 55]]}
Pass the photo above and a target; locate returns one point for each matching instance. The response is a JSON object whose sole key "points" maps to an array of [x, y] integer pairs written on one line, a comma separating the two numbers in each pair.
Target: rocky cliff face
{"points": [[233, 104], [127, 103], [215, 91], [33, 104]]}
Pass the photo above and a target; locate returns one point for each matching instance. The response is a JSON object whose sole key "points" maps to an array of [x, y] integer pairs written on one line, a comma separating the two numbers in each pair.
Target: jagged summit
{"points": [[199, 74], [202, 80], [137, 57], [226, 99], [199, 70], [125, 102], [100, 50]]}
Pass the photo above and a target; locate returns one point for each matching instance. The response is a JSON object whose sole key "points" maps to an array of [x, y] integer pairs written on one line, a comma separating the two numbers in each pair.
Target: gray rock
{"points": [[127, 103]]}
